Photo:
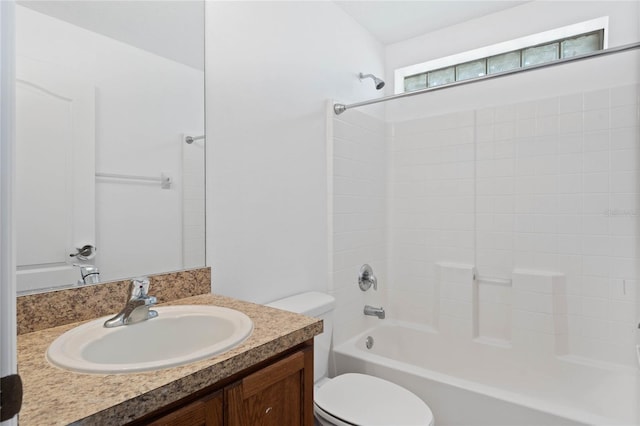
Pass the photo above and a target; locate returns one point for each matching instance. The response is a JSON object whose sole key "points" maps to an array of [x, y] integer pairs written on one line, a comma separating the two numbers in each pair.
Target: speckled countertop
{"points": [[53, 396]]}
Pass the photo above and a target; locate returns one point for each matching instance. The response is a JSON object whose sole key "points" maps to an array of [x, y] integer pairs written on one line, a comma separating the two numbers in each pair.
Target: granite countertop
{"points": [[53, 396]]}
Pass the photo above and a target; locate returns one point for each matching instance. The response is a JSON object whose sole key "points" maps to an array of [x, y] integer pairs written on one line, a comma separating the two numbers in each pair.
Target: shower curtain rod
{"points": [[340, 108]]}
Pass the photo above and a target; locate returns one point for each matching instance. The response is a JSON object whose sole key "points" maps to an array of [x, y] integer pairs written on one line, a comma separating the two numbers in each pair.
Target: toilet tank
{"points": [[319, 305]]}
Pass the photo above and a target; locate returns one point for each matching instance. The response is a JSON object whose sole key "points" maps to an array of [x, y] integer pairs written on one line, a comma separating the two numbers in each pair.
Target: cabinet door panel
{"points": [[273, 396], [207, 411]]}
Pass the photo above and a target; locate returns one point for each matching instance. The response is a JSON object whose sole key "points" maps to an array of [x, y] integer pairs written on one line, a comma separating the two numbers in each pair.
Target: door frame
{"points": [[8, 355]]}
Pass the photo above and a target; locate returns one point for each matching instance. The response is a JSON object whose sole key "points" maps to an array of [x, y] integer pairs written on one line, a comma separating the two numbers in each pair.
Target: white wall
{"points": [[266, 92], [271, 66], [144, 104]]}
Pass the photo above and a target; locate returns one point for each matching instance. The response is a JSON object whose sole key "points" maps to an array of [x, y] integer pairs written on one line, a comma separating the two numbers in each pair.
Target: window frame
{"points": [[557, 34]]}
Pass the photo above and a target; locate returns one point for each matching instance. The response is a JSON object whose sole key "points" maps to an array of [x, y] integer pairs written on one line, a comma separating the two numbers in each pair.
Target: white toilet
{"points": [[352, 399]]}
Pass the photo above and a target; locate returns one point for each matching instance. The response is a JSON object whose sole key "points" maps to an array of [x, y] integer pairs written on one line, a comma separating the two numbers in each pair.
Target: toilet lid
{"points": [[361, 399]]}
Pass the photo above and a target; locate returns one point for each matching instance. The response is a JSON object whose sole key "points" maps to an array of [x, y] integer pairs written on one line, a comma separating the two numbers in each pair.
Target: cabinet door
{"points": [[207, 411], [278, 395]]}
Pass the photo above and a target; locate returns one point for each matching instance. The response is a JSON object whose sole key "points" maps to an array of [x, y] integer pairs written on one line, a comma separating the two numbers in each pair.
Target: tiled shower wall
{"points": [[431, 209], [541, 196], [359, 160]]}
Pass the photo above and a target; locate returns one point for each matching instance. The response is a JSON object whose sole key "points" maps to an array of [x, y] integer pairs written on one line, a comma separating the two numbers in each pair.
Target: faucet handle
{"points": [[366, 278], [139, 287]]}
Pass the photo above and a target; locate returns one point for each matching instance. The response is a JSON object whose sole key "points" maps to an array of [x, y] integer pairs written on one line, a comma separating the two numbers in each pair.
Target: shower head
{"points": [[378, 82]]}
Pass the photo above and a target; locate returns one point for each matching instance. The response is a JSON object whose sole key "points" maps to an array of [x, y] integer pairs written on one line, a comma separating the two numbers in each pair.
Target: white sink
{"points": [[179, 335]]}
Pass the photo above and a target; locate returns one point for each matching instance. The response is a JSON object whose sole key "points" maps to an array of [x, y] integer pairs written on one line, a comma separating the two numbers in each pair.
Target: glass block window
{"points": [[443, 76], [540, 54], [581, 44], [566, 47], [505, 62], [471, 69], [415, 82]]}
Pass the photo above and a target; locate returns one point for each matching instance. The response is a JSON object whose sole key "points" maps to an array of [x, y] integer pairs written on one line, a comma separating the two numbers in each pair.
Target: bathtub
{"points": [[473, 383]]}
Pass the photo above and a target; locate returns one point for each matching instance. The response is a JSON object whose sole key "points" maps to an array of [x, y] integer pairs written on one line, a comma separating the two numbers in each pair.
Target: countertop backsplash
{"points": [[45, 310]]}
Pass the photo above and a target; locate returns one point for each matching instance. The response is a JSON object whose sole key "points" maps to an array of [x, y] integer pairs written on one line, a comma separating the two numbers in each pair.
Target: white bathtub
{"points": [[471, 383]]}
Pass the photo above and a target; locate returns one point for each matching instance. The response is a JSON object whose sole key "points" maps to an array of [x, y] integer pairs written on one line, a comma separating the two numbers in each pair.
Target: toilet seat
{"points": [[360, 399], [322, 417]]}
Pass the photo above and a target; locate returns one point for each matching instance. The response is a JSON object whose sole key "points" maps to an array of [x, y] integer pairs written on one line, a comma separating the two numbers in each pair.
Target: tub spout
{"points": [[374, 312]]}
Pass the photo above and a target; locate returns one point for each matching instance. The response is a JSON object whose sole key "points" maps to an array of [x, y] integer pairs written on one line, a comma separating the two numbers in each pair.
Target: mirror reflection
{"points": [[107, 186]]}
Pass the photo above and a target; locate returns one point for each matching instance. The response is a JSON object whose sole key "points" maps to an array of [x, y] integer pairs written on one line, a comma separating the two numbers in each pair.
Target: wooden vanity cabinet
{"points": [[273, 396], [276, 393], [203, 412]]}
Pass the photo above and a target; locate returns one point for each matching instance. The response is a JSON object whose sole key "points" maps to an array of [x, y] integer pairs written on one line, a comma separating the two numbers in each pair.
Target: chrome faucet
{"points": [[90, 273], [374, 312], [137, 307]]}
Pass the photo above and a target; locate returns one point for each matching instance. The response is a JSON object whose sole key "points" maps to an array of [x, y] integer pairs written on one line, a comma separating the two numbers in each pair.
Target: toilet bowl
{"points": [[352, 399], [359, 399]]}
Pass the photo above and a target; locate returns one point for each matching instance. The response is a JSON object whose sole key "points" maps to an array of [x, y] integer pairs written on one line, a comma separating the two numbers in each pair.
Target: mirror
{"points": [[107, 187]]}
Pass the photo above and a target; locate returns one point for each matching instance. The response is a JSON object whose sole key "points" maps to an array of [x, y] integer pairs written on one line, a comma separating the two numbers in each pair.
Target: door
{"points": [[55, 173]]}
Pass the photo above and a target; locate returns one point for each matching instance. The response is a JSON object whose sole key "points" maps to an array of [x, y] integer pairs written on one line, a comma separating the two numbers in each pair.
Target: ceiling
{"points": [[394, 21], [173, 29]]}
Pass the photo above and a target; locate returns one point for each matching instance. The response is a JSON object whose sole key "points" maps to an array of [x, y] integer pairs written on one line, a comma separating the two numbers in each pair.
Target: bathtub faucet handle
{"points": [[366, 279]]}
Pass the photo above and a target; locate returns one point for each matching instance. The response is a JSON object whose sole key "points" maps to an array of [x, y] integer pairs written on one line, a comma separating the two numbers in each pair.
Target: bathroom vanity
{"points": [[279, 393], [267, 379]]}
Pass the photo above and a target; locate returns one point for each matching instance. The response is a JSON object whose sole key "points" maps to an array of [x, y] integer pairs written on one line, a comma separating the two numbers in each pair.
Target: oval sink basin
{"points": [[178, 336]]}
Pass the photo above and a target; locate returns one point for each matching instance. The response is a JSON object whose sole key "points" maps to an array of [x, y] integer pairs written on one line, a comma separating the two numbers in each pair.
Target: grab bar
{"points": [[165, 180], [492, 280]]}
